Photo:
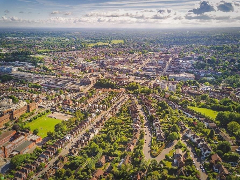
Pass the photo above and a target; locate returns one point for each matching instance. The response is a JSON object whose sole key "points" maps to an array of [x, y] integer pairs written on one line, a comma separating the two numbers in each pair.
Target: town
{"points": [[81, 104]]}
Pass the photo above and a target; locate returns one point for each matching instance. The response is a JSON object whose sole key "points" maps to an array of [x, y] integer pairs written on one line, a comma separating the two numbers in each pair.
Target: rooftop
{"points": [[23, 146]]}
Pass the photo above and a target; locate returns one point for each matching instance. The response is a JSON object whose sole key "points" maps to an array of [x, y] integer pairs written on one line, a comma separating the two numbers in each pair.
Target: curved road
{"points": [[147, 137]]}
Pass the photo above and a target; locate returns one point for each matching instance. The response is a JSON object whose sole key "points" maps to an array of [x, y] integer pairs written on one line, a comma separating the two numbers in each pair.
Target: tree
{"points": [[15, 100], [223, 118], [79, 115], [41, 166], [233, 126], [94, 148], [35, 131], [16, 127], [173, 136], [18, 160], [211, 134], [231, 157], [163, 105], [60, 127], [204, 97], [224, 146], [175, 128], [50, 134]]}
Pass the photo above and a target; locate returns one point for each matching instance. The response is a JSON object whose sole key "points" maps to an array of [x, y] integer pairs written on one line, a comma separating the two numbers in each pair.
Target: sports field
{"points": [[204, 111], [44, 124]]}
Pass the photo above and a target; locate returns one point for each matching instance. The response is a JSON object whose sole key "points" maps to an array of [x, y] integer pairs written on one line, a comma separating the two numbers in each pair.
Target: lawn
{"points": [[44, 124], [106, 43], [117, 41], [204, 111], [98, 43]]}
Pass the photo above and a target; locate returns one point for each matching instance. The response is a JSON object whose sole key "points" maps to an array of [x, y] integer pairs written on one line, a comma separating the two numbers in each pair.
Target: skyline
{"points": [[119, 14]]}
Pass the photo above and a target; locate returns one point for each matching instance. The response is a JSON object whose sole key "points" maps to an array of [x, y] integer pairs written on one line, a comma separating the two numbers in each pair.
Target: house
{"points": [[215, 161], [205, 150], [5, 137], [201, 144], [98, 173], [130, 147], [49, 173], [181, 125], [20, 176], [212, 125], [178, 158], [160, 135], [226, 137], [101, 162]]}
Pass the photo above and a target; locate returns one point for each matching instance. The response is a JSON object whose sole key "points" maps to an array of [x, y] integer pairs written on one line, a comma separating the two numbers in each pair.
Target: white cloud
{"points": [[4, 18], [55, 12], [67, 13], [206, 13]]}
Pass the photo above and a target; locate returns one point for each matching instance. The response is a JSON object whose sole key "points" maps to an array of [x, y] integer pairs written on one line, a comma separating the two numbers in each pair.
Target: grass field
{"points": [[117, 41], [44, 124], [105, 43], [204, 111]]}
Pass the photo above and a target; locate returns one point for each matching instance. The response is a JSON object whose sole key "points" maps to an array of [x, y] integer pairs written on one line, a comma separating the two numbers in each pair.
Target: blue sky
{"points": [[120, 13]]}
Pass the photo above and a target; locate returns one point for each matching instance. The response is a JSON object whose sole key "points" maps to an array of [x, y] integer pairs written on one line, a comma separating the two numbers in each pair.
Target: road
{"points": [[141, 66], [65, 150], [166, 150], [163, 73], [203, 175], [147, 138]]}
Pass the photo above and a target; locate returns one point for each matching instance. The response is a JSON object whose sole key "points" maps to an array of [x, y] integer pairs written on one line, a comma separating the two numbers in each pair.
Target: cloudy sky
{"points": [[120, 13]]}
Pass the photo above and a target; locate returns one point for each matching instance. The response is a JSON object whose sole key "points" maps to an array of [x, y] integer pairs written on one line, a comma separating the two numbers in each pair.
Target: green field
{"points": [[44, 124], [105, 43], [204, 111], [117, 41]]}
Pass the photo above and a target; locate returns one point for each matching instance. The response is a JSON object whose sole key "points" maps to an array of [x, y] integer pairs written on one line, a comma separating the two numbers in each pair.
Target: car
{"points": [[193, 162], [203, 170], [201, 166], [197, 169]]}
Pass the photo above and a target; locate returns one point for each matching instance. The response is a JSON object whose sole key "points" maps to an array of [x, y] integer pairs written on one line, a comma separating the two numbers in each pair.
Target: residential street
{"points": [[197, 160], [167, 149], [65, 150], [147, 144]]}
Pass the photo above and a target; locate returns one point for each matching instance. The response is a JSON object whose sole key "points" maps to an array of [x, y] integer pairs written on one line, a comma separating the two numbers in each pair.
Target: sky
{"points": [[119, 13]]}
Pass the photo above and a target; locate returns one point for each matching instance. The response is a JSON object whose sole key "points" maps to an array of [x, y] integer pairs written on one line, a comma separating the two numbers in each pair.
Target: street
{"points": [[65, 150], [197, 160]]}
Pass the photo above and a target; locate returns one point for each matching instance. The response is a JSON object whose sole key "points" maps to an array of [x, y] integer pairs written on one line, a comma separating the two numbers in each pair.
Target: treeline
{"points": [[224, 104], [34, 85], [5, 78], [22, 56], [226, 117], [136, 88], [105, 83]]}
